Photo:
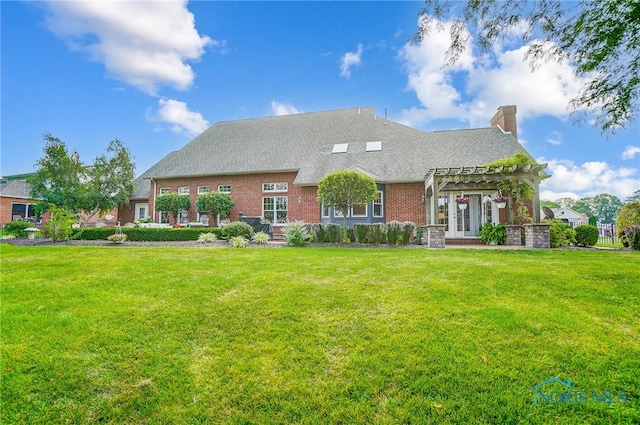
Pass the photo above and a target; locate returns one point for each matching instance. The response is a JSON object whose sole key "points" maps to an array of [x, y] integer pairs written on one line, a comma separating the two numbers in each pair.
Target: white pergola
{"points": [[438, 180]]}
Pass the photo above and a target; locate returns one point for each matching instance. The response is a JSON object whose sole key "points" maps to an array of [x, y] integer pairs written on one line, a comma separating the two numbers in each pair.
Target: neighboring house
{"points": [[569, 216], [16, 202], [271, 167]]}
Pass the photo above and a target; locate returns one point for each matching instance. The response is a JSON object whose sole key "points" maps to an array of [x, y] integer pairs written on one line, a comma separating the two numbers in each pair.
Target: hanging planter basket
{"points": [[462, 206], [501, 204]]}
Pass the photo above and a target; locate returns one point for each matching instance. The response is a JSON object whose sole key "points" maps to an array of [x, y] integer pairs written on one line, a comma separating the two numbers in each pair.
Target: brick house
{"points": [[16, 202], [271, 166]]}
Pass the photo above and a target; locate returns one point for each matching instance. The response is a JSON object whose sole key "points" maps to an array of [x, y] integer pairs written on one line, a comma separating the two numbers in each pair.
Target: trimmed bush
{"points": [[296, 233], [586, 235], [407, 231], [137, 234], [332, 232], [319, 232], [632, 234], [237, 228], [16, 228], [361, 232], [394, 233], [560, 233], [377, 233]]}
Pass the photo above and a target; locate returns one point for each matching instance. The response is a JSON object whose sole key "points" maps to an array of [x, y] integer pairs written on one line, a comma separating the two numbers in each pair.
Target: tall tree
{"points": [[345, 188], [61, 179], [606, 207], [601, 39]]}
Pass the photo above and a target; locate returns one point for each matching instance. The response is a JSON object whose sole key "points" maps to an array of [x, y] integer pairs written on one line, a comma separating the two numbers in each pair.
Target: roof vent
{"points": [[340, 148], [374, 146]]}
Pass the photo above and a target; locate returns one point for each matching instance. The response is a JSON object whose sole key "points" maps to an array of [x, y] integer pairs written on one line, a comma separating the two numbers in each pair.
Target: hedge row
{"points": [[138, 234]]}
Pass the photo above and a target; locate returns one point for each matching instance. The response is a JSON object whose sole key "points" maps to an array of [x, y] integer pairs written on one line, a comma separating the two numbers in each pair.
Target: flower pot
{"points": [[501, 204], [462, 206]]}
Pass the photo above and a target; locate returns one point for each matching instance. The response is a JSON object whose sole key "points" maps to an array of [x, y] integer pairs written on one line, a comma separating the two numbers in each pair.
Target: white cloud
{"points": [[588, 179], [143, 43], [500, 78], [555, 138], [349, 60], [278, 108], [630, 152], [182, 120]]}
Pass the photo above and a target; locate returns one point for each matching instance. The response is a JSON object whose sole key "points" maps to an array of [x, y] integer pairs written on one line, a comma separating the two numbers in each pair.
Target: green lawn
{"points": [[132, 335]]}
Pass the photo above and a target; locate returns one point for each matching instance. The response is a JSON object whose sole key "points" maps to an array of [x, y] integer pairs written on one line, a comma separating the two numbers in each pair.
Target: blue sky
{"points": [[155, 74]]}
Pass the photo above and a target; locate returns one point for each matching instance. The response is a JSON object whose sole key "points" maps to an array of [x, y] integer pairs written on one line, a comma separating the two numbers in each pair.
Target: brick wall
{"points": [[403, 202]]}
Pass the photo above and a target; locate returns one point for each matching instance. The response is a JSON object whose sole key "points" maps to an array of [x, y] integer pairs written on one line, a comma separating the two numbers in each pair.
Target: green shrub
{"points": [[332, 232], [16, 228], [207, 237], [586, 235], [628, 215], [138, 234], [296, 234], [237, 228], [632, 235], [418, 234], [560, 233], [407, 231], [319, 232], [377, 233], [238, 242], [260, 238], [58, 227], [394, 232], [490, 232], [361, 232]]}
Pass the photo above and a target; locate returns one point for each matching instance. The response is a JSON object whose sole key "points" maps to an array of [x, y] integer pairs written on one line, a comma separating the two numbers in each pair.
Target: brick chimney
{"points": [[505, 118]]}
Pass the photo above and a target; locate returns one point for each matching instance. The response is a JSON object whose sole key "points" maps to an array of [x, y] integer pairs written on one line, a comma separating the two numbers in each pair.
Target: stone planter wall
{"points": [[514, 234], [433, 236], [537, 235]]}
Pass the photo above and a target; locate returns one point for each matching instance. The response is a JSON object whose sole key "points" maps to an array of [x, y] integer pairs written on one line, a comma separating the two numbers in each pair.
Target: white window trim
{"points": [[327, 209], [182, 191], [275, 187], [275, 211], [220, 186], [366, 212], [200, 192], [164, 190], [381, 203]]}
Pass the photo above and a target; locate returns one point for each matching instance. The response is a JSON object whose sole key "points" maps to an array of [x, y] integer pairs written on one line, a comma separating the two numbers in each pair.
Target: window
{"points": [[164, 190], [378, 205], [21, 211], [203, 189], [203, 218], [183, 217], [274, 209], [224, 188], [275, 187], [358, 211], [164, 217], [340, 148], [183, 190], [326, 212]]}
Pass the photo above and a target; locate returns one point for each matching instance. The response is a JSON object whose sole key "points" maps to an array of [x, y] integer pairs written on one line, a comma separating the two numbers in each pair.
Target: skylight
{"points": [[340, 148], [374, 146]]}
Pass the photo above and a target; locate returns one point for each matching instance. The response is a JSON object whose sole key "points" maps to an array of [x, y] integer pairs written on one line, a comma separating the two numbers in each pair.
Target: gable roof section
{"points": [[304, 143], [16, 189]]}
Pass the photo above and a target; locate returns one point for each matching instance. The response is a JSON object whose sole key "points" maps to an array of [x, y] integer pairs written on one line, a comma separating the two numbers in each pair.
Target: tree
{"points": [[633, 198], [603, 206], [173, 203], [61, 179], [345, 188], [601, 39], [214, 203]]}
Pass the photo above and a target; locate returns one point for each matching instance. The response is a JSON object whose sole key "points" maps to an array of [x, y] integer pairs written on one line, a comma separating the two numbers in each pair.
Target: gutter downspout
{"points": [[153, 206]]}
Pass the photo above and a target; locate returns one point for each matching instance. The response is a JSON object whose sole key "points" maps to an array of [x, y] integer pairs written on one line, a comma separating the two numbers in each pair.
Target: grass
{"points": [[217, 335]]}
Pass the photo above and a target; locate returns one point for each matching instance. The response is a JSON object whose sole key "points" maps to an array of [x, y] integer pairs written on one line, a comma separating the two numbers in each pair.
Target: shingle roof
{"points": [[303, 143], [16, 189]]}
